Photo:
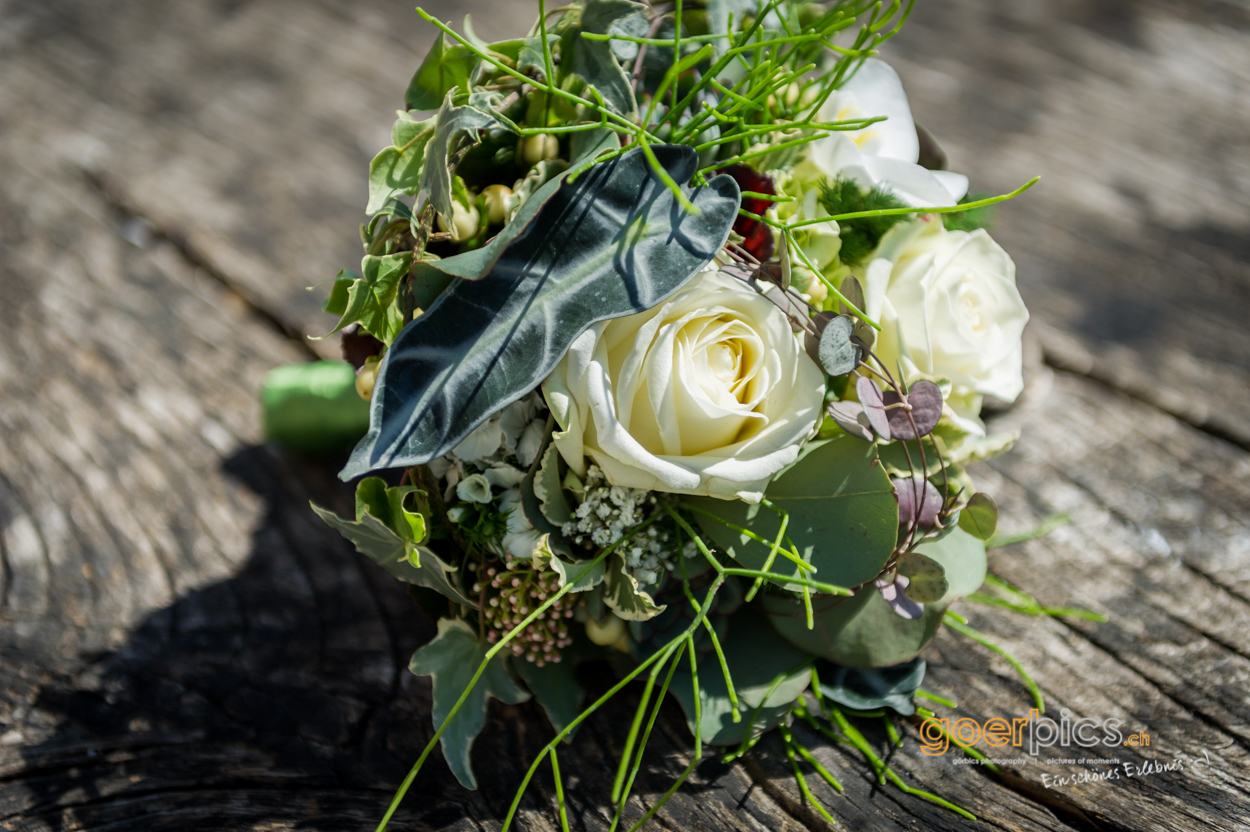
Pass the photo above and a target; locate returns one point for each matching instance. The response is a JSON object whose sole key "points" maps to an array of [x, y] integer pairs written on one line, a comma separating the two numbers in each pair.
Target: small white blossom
{"points": [[474, 489]]}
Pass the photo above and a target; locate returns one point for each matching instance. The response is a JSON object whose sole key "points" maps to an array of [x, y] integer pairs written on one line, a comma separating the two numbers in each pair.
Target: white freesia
{"points": [[707, 393], [949, 309], [884, 153]]}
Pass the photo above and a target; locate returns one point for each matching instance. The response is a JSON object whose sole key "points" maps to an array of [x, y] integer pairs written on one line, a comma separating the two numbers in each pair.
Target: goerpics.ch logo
{"points": [[1032, 733]]}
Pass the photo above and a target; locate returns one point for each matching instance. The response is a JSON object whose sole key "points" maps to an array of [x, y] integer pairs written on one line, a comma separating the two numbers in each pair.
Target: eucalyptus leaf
{"points": [[393, 548], [863, 630], [759, 661], [450, 660], [980, 517], [918, 502], [613, 243], [843, 515], [444, 70], [926, 578], [851, 418], [870, 688], [835, 352], [926, 408], [873, 401]]}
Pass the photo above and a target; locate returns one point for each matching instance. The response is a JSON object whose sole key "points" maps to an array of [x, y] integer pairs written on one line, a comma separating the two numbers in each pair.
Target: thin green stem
{"points": [[960, 626], [555, 773]]}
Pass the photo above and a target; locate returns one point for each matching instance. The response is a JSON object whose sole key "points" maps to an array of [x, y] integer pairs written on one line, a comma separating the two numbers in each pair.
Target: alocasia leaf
{"points": [[445, 69], [391, 536], [451, 659], [843, 515], [612, 243]]}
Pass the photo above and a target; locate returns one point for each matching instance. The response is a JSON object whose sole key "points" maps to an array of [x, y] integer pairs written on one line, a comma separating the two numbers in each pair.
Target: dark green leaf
{"points": [[980, 517], [613, 243], [870, 688], [451, 659], [863, 630], [445, 69], [843, 515], [758, 659]]}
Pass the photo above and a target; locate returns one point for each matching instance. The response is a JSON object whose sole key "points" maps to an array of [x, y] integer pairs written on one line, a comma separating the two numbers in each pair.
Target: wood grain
{"points": [[183, 645]]}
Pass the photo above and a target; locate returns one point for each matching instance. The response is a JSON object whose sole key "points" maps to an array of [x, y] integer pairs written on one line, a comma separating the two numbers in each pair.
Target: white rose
{"points": [[884, 153], [949, 309], [707, 393]]}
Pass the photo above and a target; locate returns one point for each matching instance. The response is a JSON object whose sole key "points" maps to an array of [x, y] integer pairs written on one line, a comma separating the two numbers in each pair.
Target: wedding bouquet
{"points": [[676, 334]]}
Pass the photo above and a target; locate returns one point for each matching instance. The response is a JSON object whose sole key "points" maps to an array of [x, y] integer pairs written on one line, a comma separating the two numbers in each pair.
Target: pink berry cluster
{"points": [[508, 592]]}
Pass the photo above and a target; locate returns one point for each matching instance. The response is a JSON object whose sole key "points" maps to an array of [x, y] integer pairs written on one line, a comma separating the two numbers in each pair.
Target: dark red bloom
{"points": [[758, 237]]}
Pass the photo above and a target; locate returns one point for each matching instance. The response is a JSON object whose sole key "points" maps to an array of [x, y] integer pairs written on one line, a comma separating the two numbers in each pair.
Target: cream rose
{"points": [[707, 393], [949, 309]]}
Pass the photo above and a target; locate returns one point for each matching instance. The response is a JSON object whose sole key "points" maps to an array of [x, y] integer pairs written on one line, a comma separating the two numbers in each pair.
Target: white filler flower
{"points": [[707, 393], [884, 153]]}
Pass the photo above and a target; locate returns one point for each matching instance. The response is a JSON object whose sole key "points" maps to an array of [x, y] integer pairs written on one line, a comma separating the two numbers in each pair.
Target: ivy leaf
{"points": [[757, 656], [454, 121], [451, 659], [397, 169], [386, 533], [596, 62], [613, 243], [870, 688], [444, 70], [624, 596], [843, 515], [980, 517], [370, 300]]}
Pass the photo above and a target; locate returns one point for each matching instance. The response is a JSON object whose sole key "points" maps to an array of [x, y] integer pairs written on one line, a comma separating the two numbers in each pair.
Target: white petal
{"points": [[880, 93]]}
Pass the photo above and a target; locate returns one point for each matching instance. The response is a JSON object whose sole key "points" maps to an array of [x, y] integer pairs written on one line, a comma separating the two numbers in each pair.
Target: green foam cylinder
{"points": [[313, 408]]}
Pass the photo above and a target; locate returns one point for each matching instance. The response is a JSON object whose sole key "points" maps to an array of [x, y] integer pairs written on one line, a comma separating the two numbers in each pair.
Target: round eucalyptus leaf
{"points": [[918, 502], [980, 517], [873, 400], [926, 578], [850, 417], [925, 399], [838, 355], [864, 630]]}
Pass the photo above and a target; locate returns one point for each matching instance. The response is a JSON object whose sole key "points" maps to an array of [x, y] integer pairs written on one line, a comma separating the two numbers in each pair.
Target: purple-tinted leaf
{"points": [[894, 594], [918, 502], [871, 397], [850, 417], [926, 408]]}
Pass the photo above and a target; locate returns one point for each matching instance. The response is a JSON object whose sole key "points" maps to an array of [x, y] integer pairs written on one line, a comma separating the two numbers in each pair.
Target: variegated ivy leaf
{"points": [[370, 300], [454, 121], [444, 70], [390, 535], [397, 168], [450, 660], [624, 596], [583, 575]]}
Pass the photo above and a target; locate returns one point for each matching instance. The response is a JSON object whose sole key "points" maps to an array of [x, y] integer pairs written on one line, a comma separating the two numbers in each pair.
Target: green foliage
{"points": [[388, 533], [482, 526], [452, 659], [595, 61], [454, 123], [971, 219], [624, 596], [397, 169], [980, 517], [370, 300], [768, 674], [860, 236], [445, 69], [864, 631], [870, 688], [496, 335], [843, 515], [555, 684]]}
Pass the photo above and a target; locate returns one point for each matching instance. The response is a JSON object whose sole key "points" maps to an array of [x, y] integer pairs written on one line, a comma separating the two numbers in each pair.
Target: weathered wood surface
{"points": [[184, 646]]}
